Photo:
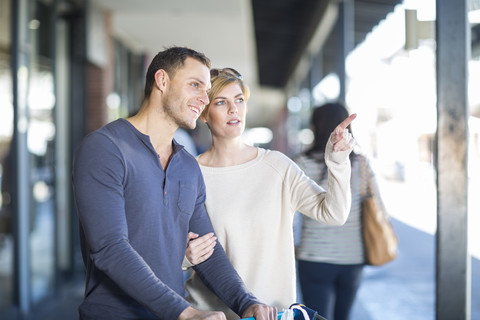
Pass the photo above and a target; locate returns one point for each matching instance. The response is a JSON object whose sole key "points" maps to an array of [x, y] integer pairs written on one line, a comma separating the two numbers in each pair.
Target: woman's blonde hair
{"points": [[220, 79]]}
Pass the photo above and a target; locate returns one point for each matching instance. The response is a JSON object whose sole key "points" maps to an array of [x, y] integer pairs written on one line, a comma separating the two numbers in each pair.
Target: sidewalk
{"points": [[405, 288], [402, 289]]}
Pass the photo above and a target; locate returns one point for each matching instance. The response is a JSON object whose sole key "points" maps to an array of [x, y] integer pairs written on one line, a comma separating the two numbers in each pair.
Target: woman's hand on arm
{"points": [[200, 249], [341, 138]]}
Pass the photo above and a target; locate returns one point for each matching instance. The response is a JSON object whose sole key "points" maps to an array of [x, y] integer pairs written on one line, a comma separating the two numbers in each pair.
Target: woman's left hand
{"points": [[342, 139], [201, 248]]}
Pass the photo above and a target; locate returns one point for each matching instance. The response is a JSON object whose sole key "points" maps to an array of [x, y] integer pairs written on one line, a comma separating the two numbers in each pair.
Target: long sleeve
{"points": [[320, 242], [331, 207]]}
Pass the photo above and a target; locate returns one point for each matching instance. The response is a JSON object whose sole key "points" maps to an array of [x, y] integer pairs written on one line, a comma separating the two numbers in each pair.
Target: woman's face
{"points": [[227, 112]]}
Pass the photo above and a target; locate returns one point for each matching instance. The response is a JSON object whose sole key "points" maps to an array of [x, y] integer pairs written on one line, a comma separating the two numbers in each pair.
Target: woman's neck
{"points": [[225, 153]]}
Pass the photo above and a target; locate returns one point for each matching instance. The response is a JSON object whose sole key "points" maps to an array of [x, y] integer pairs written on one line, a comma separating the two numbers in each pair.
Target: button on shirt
{"points": [[134, 220]]}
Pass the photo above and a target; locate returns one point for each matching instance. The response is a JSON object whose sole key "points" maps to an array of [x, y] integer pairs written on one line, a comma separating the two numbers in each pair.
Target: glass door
{"points": [[40, 144], [6, 161]]}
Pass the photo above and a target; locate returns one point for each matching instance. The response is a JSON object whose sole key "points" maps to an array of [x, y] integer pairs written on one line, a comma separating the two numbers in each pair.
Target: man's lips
{"points": [[196, 109]]}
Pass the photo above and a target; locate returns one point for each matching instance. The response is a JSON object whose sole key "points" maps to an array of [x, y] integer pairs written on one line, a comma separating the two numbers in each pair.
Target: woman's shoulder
{"points": [[273, 154], [277, 159]]}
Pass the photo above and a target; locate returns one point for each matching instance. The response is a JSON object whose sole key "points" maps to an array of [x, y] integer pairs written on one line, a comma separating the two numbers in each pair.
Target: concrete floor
{"points": [[402, 289], [405, 288]]}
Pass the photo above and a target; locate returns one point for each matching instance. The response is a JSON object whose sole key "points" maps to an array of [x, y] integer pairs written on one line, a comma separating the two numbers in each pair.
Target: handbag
{"points": [[379, 238], [297, 311]]}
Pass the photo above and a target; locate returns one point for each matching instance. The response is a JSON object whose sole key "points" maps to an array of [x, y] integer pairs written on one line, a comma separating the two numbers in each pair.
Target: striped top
{"points": [[320, 242]]}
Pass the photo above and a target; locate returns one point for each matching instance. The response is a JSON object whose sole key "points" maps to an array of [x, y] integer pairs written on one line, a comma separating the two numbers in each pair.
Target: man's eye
{"points": [[195, 84]]}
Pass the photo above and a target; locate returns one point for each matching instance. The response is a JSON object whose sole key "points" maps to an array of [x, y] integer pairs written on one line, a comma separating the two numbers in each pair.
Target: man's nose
{"points": [[204, 98]]}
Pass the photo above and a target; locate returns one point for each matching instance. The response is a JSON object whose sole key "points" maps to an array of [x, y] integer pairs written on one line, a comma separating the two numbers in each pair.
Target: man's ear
{"points": [[161, 80]]}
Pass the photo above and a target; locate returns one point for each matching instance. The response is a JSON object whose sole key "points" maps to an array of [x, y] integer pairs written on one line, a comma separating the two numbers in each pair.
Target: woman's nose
{"points": [[233, 108]]}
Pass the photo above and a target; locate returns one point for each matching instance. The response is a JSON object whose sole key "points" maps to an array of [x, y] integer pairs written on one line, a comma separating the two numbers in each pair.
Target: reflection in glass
{"points": [[6, 161], [40, 137]]}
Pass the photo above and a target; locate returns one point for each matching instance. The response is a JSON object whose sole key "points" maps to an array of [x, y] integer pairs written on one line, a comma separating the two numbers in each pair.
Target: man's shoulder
{"points": [[116, 129], [113, 129], [102, 139]]}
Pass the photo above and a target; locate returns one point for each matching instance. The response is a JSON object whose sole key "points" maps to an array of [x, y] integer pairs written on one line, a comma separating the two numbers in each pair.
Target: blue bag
{"points": [[300, 312]]}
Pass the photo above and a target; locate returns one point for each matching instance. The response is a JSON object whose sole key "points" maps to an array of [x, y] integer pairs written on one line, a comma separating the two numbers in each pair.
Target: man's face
{"points": [[186, 94]]}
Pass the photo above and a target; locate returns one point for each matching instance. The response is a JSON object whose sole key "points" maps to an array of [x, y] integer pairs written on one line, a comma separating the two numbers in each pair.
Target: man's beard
{"points": [[175, 113]]}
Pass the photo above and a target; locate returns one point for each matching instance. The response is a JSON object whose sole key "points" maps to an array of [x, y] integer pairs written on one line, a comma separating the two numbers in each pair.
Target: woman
{"points": [[331, 259], [252, 195]]}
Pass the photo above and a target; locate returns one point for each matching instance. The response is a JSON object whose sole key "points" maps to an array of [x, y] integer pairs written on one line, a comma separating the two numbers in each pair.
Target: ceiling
{"points": [[266, 40]]}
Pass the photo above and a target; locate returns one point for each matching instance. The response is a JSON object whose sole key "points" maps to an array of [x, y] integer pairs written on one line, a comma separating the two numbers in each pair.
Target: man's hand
{"points": [[260, 312], [341, 138], [194, 314], [200, 249]]}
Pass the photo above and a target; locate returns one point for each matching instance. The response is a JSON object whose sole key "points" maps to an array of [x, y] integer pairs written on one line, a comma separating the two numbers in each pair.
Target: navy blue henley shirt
{"points": [[134, 220]]}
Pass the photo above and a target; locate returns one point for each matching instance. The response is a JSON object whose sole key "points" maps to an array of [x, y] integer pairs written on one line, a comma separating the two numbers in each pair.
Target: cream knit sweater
{"points": [[252, 206]]}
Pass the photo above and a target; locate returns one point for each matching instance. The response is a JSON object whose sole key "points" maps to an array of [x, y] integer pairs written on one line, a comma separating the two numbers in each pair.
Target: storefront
{"points": [[62, 75], [36, 225]]}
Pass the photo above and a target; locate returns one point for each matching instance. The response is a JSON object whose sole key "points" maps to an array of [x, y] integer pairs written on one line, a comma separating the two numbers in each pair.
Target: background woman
{"points": [[252, 196], [331, 259]]}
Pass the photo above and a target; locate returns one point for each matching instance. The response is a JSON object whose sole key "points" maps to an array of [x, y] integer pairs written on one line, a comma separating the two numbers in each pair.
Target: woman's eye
{"points": [[240, 100], [220, 103]]}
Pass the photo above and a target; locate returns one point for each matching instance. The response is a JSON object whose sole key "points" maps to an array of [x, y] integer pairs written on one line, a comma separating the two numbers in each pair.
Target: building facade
{"points": [[62, 75]]}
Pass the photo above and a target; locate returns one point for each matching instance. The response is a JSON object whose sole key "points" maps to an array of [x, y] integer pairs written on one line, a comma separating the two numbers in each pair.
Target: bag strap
{"points": [[302, 310], [364, 184], [369, 182]]}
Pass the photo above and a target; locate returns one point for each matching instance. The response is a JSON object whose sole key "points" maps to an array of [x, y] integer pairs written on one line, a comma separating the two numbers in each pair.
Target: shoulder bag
{"points": [[379, 238]]}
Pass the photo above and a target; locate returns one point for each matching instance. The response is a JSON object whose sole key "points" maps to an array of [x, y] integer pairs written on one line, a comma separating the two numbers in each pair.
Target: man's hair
{"points": [[170, 60]]}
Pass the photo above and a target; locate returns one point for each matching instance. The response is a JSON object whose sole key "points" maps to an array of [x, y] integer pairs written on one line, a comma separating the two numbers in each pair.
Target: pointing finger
{"points": [[345, 123]]}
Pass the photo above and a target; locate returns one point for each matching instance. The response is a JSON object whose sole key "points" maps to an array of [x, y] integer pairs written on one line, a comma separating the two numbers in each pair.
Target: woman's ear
{"points": [[161, 79]]}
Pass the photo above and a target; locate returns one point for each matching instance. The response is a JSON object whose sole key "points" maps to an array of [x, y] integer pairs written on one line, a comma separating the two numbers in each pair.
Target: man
{"points": [[138, 195]]}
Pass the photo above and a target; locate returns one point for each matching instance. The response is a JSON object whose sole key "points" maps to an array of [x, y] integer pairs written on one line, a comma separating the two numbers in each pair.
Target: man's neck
{"points": [[155, 125]]}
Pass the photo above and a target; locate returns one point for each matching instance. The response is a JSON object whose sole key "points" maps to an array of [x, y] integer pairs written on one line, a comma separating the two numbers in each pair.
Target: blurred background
{"points": [[67, 67]]}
